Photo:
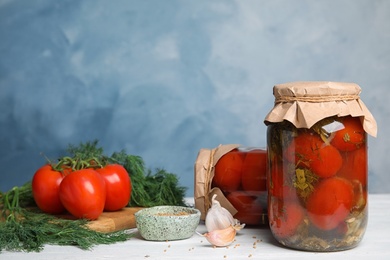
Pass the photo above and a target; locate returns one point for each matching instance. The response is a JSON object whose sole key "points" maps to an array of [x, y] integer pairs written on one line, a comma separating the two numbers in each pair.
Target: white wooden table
{"points": [[251, 243]]}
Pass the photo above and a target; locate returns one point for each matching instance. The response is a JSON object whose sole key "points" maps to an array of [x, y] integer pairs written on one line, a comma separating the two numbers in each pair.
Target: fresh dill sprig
{"points": [[85, 150], [28, 229], [148, 188]]}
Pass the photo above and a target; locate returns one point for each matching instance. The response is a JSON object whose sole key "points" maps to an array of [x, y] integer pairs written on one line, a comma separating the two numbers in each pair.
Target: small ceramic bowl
{"points": [[162, 223]]}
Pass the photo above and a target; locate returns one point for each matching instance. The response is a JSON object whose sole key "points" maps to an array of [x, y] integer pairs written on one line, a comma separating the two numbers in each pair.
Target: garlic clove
{"points": [[218, 217], [222, 237]]}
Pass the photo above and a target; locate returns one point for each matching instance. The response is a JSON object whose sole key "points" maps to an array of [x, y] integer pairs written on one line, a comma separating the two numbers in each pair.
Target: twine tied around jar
{"points": [[208, 179], [282, 99]]}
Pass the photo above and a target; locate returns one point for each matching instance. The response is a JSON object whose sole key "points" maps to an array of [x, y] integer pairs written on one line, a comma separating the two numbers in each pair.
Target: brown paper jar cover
{"points": [[204, 173], [304, 103]]}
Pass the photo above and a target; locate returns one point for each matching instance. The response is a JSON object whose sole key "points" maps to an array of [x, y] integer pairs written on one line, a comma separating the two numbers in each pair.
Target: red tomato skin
{"points": [[328, 162], [280, 184], [83, 194], [355, 166], [307, 150], [254, 170], [228, 171], [249, 206], [45, 188], [302, 150], [284, 217], [330, 203], [118, 186], [351, 137]]}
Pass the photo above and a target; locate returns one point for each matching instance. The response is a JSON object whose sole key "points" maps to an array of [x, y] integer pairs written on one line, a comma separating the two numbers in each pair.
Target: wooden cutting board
{"points": [[109, 221], [114, 221]]}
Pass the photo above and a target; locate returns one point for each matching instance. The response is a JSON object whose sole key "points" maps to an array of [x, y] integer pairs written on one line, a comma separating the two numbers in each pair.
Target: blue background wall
{"points": [[162, 79]]}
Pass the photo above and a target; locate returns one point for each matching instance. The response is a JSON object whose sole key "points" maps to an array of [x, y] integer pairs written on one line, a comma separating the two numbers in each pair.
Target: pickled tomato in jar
{"points": [[241, 176]]}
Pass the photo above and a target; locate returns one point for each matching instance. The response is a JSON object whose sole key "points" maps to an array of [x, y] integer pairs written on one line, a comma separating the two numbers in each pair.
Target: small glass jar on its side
{"points": [[317, 172], [237, 176], [241, 176]]}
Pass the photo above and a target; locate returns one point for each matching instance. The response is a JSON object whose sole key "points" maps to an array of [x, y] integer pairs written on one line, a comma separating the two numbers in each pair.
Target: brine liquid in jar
{"points": [[318, 184], [317, 172]]}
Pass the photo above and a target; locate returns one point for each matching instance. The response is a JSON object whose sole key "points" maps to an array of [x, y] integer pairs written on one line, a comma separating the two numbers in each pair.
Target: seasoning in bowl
{"points": [[164, 223]]}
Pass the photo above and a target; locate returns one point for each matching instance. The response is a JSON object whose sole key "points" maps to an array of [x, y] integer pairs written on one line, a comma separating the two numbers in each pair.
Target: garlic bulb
{"points": [[219, 218], [220, 224]]}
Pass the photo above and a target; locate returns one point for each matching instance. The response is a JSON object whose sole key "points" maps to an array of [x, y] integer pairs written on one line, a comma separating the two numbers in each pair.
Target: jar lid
{"points": [[305, 103]]}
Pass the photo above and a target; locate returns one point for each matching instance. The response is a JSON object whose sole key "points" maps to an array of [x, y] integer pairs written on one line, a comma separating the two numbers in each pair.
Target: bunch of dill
{"points": [[23, 227]]}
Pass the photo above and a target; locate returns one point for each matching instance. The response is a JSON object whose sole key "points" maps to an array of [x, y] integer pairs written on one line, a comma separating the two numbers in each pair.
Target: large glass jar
{"points": [[317, 174]]}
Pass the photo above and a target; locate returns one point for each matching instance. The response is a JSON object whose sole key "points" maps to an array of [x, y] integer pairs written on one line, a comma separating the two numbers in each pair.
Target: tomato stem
{"points": [[77, 163]]}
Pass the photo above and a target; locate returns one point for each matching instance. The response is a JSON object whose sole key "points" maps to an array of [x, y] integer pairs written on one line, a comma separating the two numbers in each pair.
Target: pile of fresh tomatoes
{"points": [[241, 176], [317, 182], [84, 193]]}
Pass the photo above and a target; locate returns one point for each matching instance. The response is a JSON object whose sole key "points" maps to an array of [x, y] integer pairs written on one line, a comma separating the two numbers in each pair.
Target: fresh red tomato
{"points": [[83, 193], [351, 137], [118, 186], [228, 170], [254, 170], [249, 206], [285, 218], [45, 188], [330, 203], [65, 169]]}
